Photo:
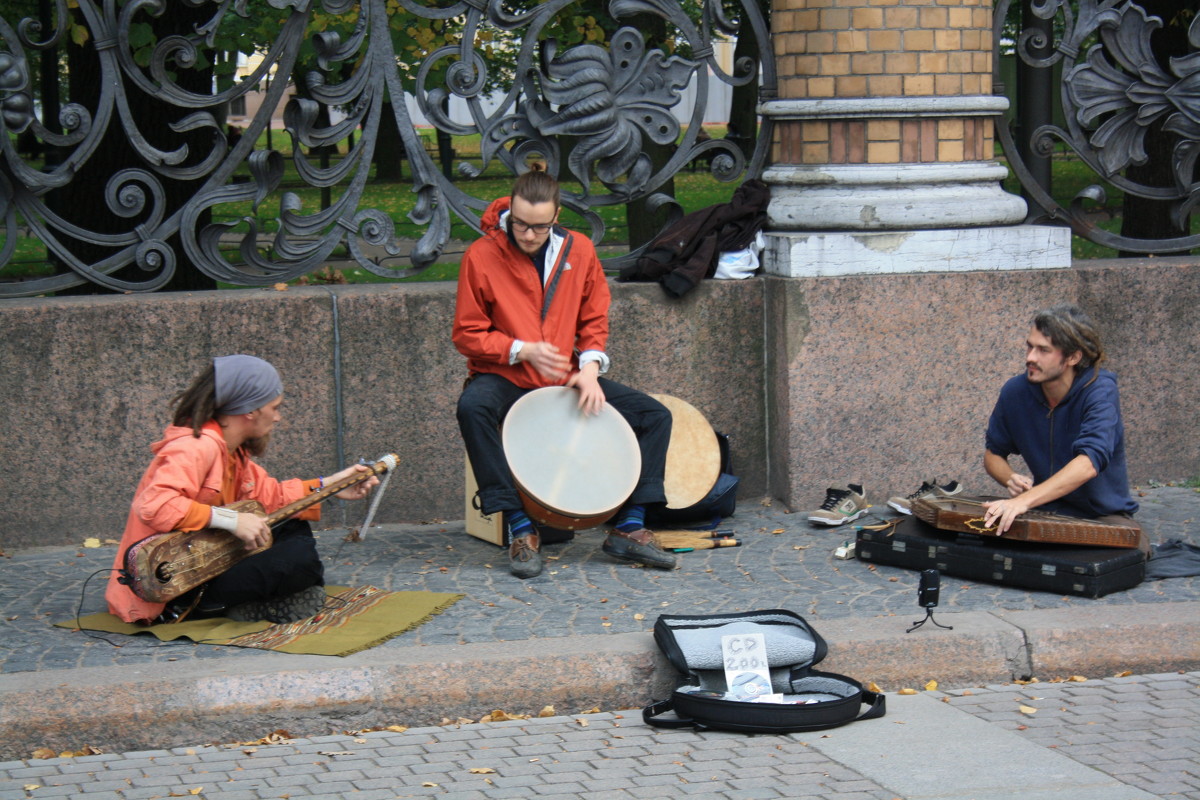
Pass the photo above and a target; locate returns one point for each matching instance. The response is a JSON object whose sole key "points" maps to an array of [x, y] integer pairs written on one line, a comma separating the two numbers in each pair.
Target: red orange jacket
{"points": [[500, 300], [187, 477]]}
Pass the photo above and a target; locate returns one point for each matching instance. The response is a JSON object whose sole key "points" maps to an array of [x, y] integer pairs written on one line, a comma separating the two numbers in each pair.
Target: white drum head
{"points": [[576, 464]]}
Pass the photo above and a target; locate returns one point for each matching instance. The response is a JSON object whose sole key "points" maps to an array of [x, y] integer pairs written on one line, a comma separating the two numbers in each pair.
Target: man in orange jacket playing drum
{"points": [[204, 463], [532, 311]]}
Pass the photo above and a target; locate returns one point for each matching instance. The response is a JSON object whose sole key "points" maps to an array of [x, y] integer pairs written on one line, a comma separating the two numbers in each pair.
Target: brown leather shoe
{"points": [[639, 547], [524, 557]]}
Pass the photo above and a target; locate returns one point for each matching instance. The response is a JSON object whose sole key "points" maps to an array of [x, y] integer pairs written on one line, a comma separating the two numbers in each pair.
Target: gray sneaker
{"points": [[928, 489], [840, 506]]}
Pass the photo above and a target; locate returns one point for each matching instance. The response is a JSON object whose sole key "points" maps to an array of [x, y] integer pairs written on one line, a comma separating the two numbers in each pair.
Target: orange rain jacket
{"points": [[500, 300], [187, 477]]}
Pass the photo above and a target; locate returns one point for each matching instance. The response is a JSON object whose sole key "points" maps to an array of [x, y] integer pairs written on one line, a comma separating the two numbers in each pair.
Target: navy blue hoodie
{"points": [[1087, 422]]}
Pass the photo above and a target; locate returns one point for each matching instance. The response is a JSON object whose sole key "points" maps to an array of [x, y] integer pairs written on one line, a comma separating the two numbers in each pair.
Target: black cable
{"points": [[79, 610]]}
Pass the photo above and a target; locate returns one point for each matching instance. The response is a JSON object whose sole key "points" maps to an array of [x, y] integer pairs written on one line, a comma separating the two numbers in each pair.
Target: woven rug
{"points": [[353, 619]]}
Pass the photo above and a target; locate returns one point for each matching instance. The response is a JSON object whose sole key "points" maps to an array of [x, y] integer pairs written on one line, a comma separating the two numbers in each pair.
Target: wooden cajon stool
{"points": [[480, 525]]}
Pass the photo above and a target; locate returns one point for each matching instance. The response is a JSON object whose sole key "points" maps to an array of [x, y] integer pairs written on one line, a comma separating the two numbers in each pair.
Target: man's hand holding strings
{"points": [[359, 490], [546, 359], [587, 381], [1001, 513]]}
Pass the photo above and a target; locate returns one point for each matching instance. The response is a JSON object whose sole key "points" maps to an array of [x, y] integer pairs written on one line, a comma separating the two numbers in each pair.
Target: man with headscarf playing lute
{"points": [[204, 463]]}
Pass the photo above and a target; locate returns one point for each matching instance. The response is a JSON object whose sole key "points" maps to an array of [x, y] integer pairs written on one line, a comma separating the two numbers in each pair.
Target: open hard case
{"points": [[1059, 568], [812, 700]]}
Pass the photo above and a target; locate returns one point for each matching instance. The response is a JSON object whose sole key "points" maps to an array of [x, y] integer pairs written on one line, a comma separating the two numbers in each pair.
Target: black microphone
{"points": [[930, 588]]}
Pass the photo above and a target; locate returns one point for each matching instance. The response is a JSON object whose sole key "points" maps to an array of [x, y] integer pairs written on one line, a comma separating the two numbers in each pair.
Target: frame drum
{"points": [[693, 456], [571, 470]]}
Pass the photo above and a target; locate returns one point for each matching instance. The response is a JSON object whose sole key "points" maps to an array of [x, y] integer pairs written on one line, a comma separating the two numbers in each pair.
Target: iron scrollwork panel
{"points": [[609, 99], [1114, 91]]}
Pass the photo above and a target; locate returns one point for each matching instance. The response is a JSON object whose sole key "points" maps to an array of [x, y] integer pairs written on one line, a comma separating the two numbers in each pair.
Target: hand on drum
{"points": [[591, 396], [546, 359]]}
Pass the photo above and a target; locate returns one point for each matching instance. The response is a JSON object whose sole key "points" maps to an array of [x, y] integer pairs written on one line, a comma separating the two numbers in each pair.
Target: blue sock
{"points": [[519, 524], [631, 519]]}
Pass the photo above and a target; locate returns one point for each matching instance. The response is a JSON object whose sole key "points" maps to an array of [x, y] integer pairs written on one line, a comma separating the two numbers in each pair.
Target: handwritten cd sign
{"points": [[747, 673]]}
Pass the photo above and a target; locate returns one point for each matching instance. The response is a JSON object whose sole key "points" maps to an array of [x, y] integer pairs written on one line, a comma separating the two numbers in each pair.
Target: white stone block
{"points": [[821, 254]]}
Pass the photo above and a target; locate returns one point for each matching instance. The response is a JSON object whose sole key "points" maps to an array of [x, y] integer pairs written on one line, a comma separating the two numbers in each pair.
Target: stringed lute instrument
{"points": [[161, 567]]}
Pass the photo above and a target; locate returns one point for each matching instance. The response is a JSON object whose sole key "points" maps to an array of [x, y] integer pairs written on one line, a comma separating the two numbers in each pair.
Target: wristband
{"points": [[225, 519]]}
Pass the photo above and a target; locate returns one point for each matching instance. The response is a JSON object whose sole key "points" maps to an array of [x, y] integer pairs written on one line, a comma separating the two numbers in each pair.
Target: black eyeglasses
{"points": [[522, 227]]}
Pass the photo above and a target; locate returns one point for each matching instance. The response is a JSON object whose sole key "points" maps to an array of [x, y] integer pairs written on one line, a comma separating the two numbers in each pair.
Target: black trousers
{"points": [[485, 402], [290, 565]]}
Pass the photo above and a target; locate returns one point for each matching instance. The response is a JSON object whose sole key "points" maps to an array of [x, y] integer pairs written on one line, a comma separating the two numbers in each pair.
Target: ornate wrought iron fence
{"points": [[604, 100], [1117, 94]]}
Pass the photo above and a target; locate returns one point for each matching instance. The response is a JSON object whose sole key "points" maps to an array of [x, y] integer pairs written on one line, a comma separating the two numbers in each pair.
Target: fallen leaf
{"points": [[197, 790], [872, 686], [429, 785], [639, 616], [29, 787], [44, 752], [1077, 679], [583, 723], [1123, 674], [91, 542], [777, 530], [592, 710], [931, 686], [482, 771], [281, 287], [1027, 710], [547, 711], [396, 728], [907, 691]]}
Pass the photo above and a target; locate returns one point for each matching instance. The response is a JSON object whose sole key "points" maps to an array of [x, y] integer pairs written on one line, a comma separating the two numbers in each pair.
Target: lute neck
{"points": [[387, 462]]}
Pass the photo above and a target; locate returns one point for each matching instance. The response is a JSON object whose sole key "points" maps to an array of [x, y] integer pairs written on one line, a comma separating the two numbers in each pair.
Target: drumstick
{"points": [[703, 544], [724, 533]]}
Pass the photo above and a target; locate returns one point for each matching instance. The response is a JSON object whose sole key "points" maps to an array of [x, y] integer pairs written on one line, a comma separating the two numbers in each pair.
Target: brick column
{"points": [[884, 126]]}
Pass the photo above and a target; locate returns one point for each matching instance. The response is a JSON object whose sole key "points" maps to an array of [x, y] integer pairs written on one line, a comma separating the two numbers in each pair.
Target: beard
{"points": [[256, 445]]}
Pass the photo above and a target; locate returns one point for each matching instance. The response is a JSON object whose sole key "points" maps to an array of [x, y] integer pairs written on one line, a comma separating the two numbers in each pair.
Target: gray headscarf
{"points": [[244, 383]]}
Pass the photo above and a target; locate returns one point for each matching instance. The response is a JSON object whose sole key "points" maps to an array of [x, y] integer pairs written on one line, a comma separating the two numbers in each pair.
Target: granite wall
{"points": [[888, 380], [885, 380], [367, 370]]}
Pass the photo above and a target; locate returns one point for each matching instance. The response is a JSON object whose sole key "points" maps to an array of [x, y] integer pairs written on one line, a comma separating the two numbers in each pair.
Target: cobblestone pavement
{"points": [[1120, 738], [784, 562], [1143, 730]]}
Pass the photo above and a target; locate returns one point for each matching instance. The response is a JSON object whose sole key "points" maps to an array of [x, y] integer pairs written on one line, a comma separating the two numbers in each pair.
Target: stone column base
{"points": [[831, 253]]}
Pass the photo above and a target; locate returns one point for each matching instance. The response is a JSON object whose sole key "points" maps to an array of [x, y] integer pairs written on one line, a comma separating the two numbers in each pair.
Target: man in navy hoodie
{"points": [[1063, 417]]}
